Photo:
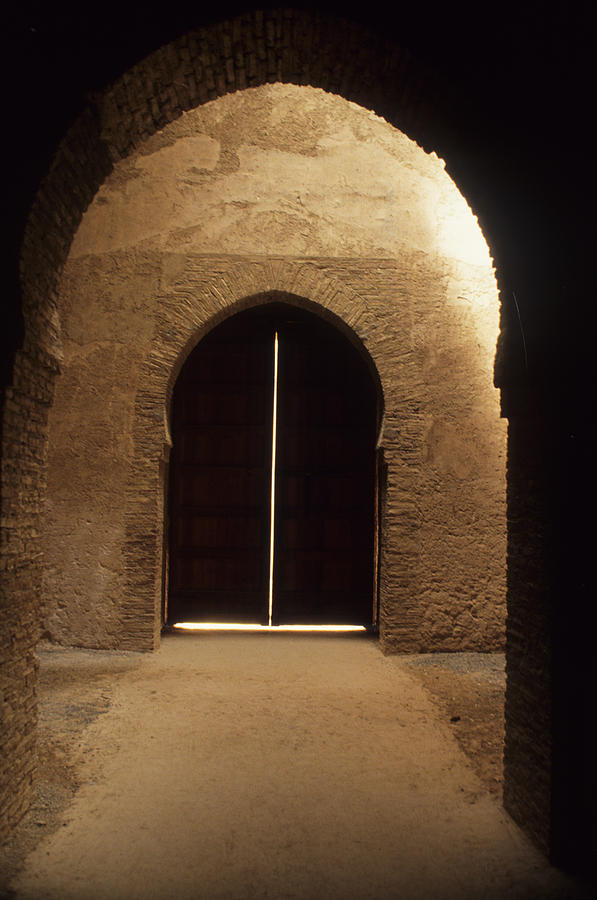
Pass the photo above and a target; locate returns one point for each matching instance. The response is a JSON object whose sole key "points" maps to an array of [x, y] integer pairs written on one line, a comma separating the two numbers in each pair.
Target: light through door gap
{"points": [[273, 485]]}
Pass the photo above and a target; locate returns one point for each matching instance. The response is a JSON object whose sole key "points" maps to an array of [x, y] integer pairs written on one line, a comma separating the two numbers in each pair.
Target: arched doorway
{"points": [[406, 282], [272, 475]]}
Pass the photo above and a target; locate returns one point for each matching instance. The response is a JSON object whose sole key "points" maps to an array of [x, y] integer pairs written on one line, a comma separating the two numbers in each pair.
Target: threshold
{"points": [[247, 626]]}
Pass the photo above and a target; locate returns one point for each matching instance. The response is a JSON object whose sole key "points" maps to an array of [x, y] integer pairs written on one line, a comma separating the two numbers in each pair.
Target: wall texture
{"points": [[289, 190], [24, 425]]}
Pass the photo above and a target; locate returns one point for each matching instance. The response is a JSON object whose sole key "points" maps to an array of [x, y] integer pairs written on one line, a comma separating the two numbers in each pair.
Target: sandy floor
{"points": [[267, 766]]}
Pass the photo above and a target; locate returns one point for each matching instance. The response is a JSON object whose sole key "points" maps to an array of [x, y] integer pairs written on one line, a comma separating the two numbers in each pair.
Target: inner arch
{"points": [[319, 532]]}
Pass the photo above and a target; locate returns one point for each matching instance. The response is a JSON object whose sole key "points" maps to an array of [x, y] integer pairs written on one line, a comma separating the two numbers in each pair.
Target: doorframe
{"points": [[182, 319], [381, 479]]}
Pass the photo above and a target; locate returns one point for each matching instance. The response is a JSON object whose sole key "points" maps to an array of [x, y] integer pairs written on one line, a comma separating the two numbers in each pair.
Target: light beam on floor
{"points": [[250, 626]]}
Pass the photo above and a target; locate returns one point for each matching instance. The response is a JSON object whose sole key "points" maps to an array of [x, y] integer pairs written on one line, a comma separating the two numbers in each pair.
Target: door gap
{"points": [[273, 485]]}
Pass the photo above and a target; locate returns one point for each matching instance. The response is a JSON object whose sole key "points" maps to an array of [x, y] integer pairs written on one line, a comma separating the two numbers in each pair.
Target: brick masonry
{"points": [[23, 477]]}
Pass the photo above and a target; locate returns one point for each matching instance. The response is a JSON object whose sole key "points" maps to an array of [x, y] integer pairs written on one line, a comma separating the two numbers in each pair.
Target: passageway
{"points": [[270, 766]]}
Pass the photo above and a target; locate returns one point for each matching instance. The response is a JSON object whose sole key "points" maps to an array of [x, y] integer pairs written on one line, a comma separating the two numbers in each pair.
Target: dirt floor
{"points": [[94, 706], [75, 687], [468, 690]]}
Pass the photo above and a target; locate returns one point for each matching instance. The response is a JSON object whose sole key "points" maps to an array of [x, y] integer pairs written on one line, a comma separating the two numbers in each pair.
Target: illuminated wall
{"points": [[292, 193]]}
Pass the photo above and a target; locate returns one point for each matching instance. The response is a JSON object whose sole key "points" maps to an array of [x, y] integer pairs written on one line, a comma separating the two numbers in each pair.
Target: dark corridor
{"points": [[222, 567]]}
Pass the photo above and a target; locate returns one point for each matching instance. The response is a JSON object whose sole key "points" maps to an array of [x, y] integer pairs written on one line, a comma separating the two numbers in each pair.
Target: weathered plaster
{"points": [[285, 171], [360, 221]]}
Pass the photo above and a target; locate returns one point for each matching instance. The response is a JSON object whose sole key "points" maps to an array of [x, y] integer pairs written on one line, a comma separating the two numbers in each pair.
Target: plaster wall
{"points": [[291, 190]]}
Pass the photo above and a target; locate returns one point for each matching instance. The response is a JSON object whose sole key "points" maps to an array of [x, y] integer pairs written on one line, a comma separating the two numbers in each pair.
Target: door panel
{"points": [[324, 510], [220, 478]]}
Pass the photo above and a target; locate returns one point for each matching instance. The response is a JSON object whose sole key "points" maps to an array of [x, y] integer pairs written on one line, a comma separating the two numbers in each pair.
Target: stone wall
{"points": [[528, 791], [29, 371], [24, 427], [290, 190]]}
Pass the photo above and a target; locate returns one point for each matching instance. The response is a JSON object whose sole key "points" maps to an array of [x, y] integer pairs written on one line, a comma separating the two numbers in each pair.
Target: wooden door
{"points": [[221, 475], [324, 547]]}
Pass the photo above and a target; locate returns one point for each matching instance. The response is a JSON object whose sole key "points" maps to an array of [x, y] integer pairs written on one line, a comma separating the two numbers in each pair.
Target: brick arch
{"points": [[182, 322], [302, 284]]}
